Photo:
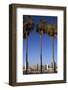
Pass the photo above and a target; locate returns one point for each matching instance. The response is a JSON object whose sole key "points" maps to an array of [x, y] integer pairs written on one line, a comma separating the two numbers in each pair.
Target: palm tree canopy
{"points": [[27, 25], [41, 27], [51, 30]]}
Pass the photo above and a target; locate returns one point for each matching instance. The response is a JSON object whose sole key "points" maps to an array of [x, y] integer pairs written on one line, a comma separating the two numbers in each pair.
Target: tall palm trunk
{"points": [[26, 53], [53, 53], [41, 53]]}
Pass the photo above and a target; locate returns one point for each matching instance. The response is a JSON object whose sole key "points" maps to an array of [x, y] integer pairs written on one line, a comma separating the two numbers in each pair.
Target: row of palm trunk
{"points": [[42, 28]]}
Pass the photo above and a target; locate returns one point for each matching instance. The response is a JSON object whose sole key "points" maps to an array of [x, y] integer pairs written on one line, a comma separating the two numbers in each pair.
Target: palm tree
{"points": [[27, 27], [52, 32], [41, 28]]}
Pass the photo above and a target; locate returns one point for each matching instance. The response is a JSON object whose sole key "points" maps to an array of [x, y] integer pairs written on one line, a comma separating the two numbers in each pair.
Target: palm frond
{"points": [[51, 30], [27, 24], [41, 27]]}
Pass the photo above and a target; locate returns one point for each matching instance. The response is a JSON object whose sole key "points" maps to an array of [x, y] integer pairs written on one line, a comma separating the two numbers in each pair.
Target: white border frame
{"points": [[19, 64]]}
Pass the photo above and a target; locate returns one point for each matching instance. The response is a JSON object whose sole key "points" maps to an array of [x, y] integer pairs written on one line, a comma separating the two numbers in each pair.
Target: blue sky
{"points": [[34, 44]]}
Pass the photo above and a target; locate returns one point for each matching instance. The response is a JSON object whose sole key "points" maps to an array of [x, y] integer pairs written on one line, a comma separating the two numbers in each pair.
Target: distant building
{"points": [[47, 68], [54, 66]]}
